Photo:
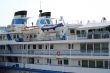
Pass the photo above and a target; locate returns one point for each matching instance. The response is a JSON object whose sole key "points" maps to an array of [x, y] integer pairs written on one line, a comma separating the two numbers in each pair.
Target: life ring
{"points": [[58, 53]]}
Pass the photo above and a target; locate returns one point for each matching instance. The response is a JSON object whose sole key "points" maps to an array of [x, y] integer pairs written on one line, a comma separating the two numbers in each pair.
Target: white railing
{"points": [[56, 52]]}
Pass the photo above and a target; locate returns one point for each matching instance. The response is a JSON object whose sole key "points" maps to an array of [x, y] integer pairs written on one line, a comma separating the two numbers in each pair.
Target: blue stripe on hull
{"points": [[31, 70]]}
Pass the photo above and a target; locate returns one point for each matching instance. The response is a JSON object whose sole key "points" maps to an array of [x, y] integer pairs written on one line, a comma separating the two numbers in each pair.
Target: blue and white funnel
{"points": [[20, 18]]}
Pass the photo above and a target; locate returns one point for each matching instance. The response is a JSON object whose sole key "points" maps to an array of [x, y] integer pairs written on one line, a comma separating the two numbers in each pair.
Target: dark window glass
{"points": [[92, 64], [84, 63], [99, 64], [69, 46], [105, 47], [51, 46], [46, 46], [106, 64], [28, 46], [96, 47], [39, 46], [83, 47], [72, 31], [48, 61], [34, 46], [65, 61], [60, 62], [31, 60], [89, 47], [37, 60], [48, 21], [42, 21]]}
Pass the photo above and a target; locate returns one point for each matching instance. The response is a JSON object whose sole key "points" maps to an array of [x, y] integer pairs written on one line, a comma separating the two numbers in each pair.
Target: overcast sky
{"points": [[71, 10]]}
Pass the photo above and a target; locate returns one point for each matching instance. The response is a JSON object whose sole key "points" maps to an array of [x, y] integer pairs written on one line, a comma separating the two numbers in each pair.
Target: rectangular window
{"points": [[89, 36], [34, 46], [97, 47], [59, 61], [31, 60], [69, 46], [51, 46], [24, 46], [72, 31], [105, 48], [97, 36], [48, 61], [66, 62], [72, 46], [83, 47], [46, 47], [106, 64], [39, 46], [0, 37], [28, 46], [99, 64], [89, 47], [2, 47], [84, 63], [37, 60], [91, 63]]}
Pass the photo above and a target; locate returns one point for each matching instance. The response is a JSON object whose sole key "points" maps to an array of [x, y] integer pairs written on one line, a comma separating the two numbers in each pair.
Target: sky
{"points": [[71, 10]]}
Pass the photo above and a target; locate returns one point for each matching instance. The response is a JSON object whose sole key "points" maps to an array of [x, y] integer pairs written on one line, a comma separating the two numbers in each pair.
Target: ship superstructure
{"points": [[54, 48]]}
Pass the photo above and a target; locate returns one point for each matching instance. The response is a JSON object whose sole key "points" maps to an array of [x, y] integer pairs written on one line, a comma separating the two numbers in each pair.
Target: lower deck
{"points": [[33, 68]]}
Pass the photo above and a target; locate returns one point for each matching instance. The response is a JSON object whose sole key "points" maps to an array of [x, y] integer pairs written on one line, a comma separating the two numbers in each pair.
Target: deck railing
{"points": [[56, 52]]}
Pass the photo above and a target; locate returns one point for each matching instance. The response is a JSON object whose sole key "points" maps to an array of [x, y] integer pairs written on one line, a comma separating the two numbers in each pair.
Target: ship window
{"points": [[83, 47], [66, 62], [9, 59], [92, 64], [84, 63], [78, 32], [2, 46], [89, 47], [30, 36], [51, 46], [48, 21], [35, 36], [31, 60], [0, 37], [28, 46], [34, 46], [46, 46], [72, 31], [97, 36], [48, 61], [59, 61], [106, 64], [39, 46], [42, 21], [70, 46], [14, 36], [89, 36], [37, 60], [96, 47], [104, 47], [99, 64]]}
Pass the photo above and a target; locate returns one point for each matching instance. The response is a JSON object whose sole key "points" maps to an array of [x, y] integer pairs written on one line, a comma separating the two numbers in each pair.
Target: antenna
{"points": [[40, 9], [40, 4]]}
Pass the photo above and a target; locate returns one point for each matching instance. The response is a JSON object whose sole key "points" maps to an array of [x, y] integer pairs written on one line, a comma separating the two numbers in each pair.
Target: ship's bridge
{"points": [[44, 21]]}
